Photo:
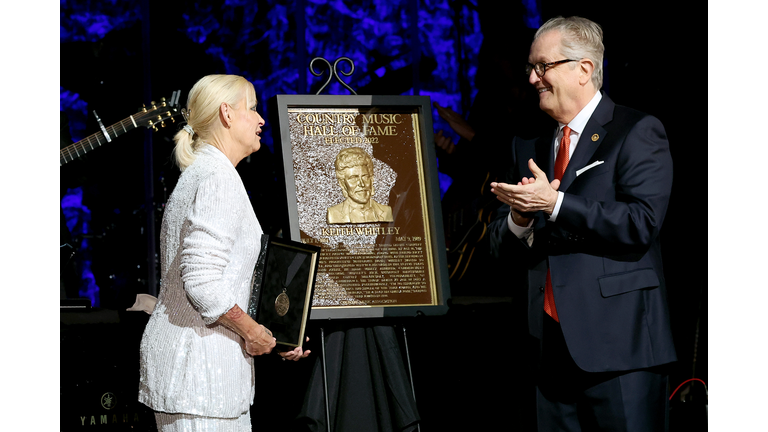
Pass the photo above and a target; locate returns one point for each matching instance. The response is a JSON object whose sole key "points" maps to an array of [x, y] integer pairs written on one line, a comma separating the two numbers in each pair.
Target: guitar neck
{"points": [[91, 142], [151, 118]]}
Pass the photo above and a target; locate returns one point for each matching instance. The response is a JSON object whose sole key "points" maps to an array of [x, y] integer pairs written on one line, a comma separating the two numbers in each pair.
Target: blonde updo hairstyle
{"points": [[203, 104]]}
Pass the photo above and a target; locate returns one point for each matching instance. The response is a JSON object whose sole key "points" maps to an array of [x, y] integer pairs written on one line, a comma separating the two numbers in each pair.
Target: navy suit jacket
{"points": [[603, 250]]}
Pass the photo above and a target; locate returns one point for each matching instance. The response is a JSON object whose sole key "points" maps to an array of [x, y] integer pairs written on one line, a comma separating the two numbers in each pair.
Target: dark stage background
{"points": [[470, 366]]}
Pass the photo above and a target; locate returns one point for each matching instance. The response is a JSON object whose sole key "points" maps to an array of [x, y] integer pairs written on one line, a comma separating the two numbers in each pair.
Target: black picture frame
{"points": [[287, 270], [429, 209]]}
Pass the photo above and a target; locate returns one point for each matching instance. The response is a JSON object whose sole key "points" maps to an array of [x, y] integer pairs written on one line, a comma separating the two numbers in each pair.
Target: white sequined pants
{"points": [[192, 423]]}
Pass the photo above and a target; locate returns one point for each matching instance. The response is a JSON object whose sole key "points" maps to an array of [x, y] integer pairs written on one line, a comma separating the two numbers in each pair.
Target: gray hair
{"points": [[580, 38]]}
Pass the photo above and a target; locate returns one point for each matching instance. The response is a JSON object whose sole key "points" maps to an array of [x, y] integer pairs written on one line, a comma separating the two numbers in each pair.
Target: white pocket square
{"points": [[590, 166]]}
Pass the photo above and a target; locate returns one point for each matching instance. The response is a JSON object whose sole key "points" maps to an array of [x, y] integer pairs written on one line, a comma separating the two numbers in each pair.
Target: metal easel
{"points": [[334, 73]]}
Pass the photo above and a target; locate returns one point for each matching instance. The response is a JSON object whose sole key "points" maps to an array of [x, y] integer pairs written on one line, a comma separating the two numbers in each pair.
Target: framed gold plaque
{"points": [[361, 180]]}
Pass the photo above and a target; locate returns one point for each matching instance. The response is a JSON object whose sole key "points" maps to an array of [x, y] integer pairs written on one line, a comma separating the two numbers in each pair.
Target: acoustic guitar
{"points": [[147, 117], [151, 117]]}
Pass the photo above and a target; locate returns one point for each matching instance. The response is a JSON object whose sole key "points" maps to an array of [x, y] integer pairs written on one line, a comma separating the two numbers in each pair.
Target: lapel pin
{"points": [[595, 137]]}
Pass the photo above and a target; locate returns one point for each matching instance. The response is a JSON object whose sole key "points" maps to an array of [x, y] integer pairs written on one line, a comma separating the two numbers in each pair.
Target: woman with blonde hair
{"points": [[196, 352]]}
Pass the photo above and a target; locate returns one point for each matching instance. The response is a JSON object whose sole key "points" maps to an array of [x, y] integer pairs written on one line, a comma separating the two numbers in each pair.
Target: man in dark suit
{"points": [[584, 206]]}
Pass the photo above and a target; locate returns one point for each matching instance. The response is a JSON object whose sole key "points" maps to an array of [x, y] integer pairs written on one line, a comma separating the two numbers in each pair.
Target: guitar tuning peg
{"points": [[153, 105], [144, 107], [155, 128], [170, 117], [162, 124]]}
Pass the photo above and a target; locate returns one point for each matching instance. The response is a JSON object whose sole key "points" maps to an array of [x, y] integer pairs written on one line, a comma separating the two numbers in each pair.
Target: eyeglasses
{"points": [[541, 68]]}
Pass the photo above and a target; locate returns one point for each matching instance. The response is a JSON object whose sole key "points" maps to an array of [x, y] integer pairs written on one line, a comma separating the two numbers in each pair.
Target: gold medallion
{"points": [[282, 304]]}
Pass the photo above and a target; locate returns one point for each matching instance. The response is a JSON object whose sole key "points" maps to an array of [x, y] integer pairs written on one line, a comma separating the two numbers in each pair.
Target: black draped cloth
{"points": [[368, 384]]}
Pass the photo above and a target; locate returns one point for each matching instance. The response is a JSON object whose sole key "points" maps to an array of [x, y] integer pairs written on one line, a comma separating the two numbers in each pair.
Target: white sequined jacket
{"points": [[209, 242]]}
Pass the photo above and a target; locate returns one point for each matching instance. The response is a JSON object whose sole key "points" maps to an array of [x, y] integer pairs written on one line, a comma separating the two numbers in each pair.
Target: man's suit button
{"points": [[541, 288]]}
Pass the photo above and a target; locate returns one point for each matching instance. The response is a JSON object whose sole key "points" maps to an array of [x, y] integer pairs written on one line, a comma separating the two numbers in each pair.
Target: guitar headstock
{"points": [[158, 113]]}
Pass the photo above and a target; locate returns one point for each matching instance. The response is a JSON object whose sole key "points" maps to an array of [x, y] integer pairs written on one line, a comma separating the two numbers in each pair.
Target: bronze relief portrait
{"points": [[354, 172]]}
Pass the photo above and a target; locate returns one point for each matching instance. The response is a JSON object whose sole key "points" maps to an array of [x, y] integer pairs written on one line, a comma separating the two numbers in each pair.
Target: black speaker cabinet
{"points": [[99, 370]]}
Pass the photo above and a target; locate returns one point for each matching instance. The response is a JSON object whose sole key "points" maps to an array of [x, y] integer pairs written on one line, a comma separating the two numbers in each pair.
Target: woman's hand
{"points": [[261, 344], [257, 338], [296, 354]]}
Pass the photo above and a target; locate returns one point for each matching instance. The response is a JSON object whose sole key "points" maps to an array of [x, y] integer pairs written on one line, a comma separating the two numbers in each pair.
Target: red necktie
{"points": [[562, 154], [560, 163]]}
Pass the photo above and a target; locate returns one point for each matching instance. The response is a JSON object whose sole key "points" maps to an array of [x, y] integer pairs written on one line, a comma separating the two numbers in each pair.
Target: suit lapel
{"points": [[545, 155], [590, 139], [545, 160]]}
